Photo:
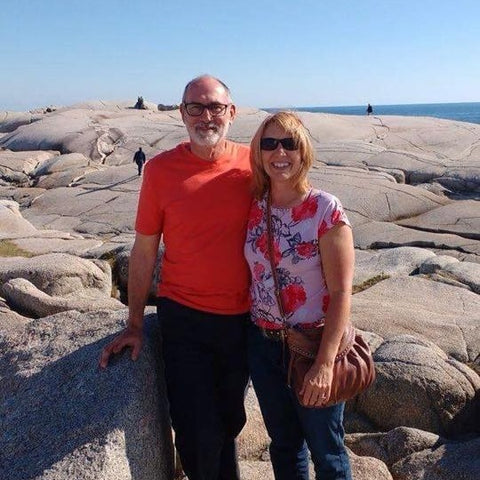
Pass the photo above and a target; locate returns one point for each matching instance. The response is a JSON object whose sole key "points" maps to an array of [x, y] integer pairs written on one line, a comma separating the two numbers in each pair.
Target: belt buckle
{"points": [[276, 334]]}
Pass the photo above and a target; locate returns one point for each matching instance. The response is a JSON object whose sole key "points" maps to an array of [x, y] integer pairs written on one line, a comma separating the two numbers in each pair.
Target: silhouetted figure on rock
{"points": [[140, 105], [139, 159]]}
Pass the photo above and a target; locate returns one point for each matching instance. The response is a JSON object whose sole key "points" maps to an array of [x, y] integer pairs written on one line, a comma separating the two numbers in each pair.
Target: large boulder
{"points": [[388, 262], [21, 233], [64, 418], [62, 171], [467, 273], [16, 167], [452, 460], [446, 315], [419, 386], [12, 224], [393, 446], [10, 121], [413, 454], [58, 274], [27, 299], [121, 259]]}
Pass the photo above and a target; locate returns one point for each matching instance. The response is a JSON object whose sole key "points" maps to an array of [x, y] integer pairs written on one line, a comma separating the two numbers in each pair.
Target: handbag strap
{"points": [[271, 258]]}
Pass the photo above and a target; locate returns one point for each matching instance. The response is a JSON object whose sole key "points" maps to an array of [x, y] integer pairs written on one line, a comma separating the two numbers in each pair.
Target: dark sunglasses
{"points": [[272, 143], [196, 109]]}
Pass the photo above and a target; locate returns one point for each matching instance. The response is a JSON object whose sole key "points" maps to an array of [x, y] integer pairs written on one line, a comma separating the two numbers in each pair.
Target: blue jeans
{"points": [[294, 429], [206, 375]]}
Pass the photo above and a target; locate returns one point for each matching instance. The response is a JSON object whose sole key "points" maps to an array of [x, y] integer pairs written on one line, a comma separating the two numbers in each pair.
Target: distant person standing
{"points": [[369, 109], [139, 159]]}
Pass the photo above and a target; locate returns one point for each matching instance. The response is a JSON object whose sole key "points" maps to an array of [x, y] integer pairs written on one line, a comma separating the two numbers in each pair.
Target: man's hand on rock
{"points": [[130, 337]]}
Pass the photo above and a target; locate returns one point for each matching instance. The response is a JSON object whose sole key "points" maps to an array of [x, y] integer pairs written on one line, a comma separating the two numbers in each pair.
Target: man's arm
{"points": [[140, 273]]}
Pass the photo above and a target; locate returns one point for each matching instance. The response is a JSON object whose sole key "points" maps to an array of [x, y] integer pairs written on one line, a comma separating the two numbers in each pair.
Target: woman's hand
{"points": [[317, 385]]}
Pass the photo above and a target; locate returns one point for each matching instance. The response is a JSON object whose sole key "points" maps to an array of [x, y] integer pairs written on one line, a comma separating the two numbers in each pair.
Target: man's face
{"points": [[207, 129]]}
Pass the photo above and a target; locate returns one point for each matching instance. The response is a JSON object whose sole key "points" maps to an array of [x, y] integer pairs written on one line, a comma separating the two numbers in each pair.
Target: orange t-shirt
{"points": [[201, 207]]}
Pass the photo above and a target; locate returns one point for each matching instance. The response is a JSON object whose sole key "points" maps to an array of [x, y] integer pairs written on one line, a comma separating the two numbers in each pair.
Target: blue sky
{"points": [[270, 53]]}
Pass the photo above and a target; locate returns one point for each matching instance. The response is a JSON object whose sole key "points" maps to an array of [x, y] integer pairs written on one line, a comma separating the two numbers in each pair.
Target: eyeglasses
{"points": [[197, 109], [270, 144]]}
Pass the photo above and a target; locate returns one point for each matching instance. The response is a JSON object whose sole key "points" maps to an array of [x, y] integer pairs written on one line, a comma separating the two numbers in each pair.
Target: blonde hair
{"points": [[293, 127]]}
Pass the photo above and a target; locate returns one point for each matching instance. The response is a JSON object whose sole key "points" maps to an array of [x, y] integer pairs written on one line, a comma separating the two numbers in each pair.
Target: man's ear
{"points": [[182, 112], [233, 112]]}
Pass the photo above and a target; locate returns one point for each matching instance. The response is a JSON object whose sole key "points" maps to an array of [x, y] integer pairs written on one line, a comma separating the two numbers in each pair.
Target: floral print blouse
{"points": [[296, 232]]}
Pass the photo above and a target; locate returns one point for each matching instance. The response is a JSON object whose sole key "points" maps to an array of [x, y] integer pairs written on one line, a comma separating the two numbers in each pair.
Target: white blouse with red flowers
{"points": [[296, 232]]}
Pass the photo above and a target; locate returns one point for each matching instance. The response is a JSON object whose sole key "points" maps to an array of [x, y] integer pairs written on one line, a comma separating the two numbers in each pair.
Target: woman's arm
{"points": [[337, 255]]}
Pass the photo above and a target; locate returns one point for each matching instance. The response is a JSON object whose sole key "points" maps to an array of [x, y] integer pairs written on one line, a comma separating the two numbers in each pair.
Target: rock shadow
{"points": [[72, 412]]}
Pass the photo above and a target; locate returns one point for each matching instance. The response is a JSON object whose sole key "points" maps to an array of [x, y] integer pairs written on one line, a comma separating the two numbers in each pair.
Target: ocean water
{"points": [[464, 112]]}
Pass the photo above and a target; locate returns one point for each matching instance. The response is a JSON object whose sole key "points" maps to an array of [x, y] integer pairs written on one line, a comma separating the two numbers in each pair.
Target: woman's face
{"points": [[281, 164]]}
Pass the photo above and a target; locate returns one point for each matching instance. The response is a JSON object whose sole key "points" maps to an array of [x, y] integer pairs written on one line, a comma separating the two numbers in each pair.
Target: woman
{"points": [[313, 254]]}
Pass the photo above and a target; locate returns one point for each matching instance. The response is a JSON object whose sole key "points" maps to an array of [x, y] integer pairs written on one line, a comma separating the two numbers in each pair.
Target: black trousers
{"points": [[206, 374]]}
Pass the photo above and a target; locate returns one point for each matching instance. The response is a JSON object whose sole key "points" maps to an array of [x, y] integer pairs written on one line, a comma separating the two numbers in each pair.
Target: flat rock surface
{"points": [[374, 195], [460, 217], [378, 235], [86, 210]]}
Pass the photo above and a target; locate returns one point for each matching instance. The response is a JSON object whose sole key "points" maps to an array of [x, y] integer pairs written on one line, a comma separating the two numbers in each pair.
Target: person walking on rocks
{"points": [[139, 159], [369, 109], [197, 196], [312, 249]]}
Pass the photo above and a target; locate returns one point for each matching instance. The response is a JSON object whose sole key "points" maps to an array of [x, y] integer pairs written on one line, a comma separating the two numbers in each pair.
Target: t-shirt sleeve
{"points": [[150, 213], [333, 214]]}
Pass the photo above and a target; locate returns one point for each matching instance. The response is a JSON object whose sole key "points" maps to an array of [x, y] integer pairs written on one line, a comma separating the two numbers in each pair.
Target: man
{"points": [[198, 197], [139, 159]]}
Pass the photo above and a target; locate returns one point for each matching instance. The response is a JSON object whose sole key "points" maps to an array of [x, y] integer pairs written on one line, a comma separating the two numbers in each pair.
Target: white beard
{"points": [[209, 138]]}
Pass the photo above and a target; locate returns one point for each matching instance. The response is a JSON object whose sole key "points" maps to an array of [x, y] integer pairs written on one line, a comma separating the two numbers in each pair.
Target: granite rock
{"points": [[445, 315], [64, 418], [419, 386], [27, 299], [58, 274]]}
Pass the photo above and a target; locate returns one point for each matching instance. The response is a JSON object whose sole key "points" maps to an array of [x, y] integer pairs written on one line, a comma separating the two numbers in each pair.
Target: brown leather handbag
{"points": [[353, 370]]}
